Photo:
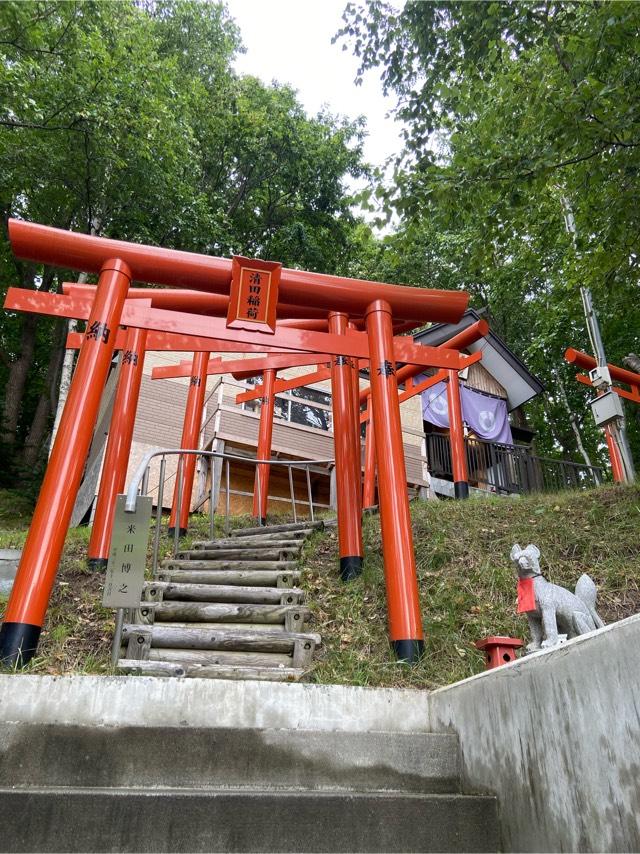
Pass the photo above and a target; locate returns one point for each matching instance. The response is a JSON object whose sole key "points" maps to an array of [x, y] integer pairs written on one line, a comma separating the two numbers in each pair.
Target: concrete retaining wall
{"points": [[556, 736]]}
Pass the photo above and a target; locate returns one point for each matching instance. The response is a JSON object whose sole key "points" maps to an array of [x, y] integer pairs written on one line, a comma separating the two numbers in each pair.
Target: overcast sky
{"points": [[290, 41]]}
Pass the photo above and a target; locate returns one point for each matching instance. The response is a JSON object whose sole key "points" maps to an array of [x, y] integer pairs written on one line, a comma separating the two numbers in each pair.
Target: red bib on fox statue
{"points": [[526, 595]]}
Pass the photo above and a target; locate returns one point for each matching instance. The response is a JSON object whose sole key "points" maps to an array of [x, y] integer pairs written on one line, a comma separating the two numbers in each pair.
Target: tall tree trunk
{"points": [[47, 400], [632, 362], [573, 420], [19, 368], [16, 381]]}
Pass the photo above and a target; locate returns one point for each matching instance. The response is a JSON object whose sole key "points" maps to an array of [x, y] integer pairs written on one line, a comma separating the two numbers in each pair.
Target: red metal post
{"points": [[189, 441], [42, 549], [456, 438], [355, 403], [403, 603], [369, 488], [116, 456], [347, 485], [617, 469], [261, 483]]}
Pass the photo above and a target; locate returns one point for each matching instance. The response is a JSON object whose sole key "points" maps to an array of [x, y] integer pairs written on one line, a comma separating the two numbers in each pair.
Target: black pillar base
{"points": [[262, 521], [350, 567], [182, 532], [371, 511], [18, 643], [410, 651], [461, 489], [97, 564]]}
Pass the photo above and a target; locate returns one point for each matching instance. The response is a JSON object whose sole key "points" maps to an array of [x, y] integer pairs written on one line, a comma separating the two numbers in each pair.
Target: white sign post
{"points": [[128, 554]]}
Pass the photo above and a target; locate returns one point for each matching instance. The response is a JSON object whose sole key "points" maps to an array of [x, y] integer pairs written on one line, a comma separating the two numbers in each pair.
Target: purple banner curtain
{"points": [[486, 416]]}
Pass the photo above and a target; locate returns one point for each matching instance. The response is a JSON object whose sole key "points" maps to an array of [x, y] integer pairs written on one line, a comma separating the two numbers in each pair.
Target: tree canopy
{"points": [[519, 175], [126, 119]]}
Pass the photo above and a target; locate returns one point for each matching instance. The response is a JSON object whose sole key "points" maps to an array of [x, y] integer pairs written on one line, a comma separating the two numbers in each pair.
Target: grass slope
{"points": [[467, 583]]}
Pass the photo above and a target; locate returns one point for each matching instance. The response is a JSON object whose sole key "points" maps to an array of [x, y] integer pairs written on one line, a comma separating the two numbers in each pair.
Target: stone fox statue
{"points": [[550, 608]]}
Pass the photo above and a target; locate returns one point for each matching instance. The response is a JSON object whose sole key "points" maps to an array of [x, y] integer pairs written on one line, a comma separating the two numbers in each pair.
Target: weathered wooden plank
{"points": [[264, 674], [222, 657], [191, 565], [151, 668], [273, 541], [273, 529], [220, 612], [250, 578], [220, 638], [285, 553], [231, 593]]}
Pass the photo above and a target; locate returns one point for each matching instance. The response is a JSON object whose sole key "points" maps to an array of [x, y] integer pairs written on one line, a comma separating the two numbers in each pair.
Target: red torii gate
{"points": [[119, 263], [630, 378], [134, 343]]}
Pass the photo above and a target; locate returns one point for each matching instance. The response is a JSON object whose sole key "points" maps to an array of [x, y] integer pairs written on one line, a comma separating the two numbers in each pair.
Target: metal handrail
{"points": [[514, 469], [139, 484], [134, 484]]}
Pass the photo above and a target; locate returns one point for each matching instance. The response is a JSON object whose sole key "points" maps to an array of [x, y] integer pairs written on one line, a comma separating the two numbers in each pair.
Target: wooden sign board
{"points": [[127, 557], [254, 294]]}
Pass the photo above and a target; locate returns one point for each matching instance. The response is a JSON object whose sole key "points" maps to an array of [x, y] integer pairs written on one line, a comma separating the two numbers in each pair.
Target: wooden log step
{"points": [[254, 627], [151, 668], [221, 612], [222, 639], [241, 577], [241, 554], [211, 671], [191, 565], [248, 543], [222, 657], [273, 529], [232, 593]]}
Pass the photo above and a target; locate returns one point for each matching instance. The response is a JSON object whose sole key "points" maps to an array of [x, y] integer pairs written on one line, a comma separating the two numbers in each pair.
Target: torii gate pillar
{"points": [[42, 549], [347, 458], [190, 437], [263, 452], [116, 457], [403, 603], [456, 438]]}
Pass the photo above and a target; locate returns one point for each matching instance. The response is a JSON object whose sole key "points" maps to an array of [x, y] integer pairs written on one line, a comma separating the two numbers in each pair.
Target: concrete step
{"points": [[221, 612], [123, 820], [175, 757], [224, 593], [267, 553], [212, 671], [275, 565], [221, 638], [277, 529], [245, 577], [270, 541]]}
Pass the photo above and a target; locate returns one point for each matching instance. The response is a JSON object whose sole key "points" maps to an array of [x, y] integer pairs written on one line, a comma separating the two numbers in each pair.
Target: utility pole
{"points": [[601, 379]]}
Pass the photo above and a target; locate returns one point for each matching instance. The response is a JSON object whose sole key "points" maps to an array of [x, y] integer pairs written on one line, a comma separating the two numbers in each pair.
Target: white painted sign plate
{"points": [[127, 558]]}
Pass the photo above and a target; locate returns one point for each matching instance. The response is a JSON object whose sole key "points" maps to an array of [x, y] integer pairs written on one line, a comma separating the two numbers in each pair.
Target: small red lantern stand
{"points": [[499, 650]]}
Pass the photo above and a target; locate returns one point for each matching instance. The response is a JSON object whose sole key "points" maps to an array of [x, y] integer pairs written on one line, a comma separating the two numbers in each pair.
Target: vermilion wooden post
{"points": [[42, 549], [456, 438], [116, 456], [347, 485], [190, 438], [355, 403], [265, 432], [403, 604], [617, 469], [369, 487]]}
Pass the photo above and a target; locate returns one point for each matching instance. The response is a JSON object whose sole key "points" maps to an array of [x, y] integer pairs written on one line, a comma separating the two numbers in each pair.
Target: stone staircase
{"points": [[152, 788], [226, 609]]}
